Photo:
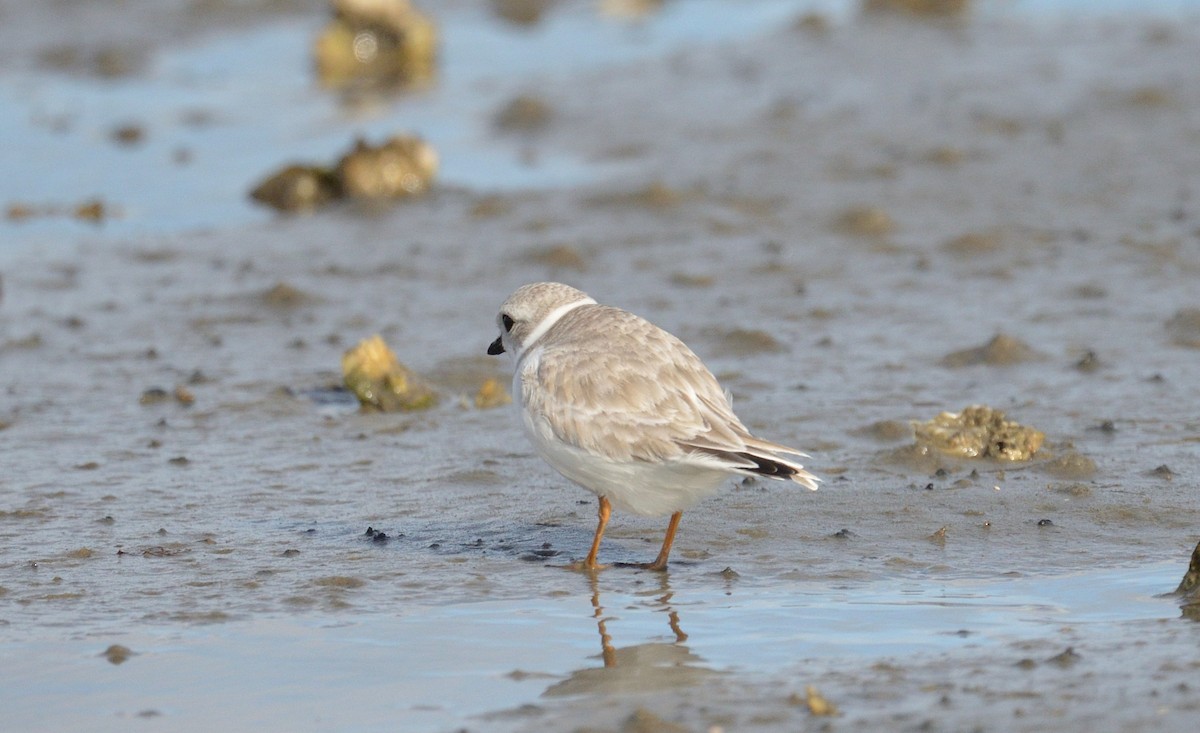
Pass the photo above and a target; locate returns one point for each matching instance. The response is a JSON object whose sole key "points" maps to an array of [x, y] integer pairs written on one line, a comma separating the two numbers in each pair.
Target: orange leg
{"points": [[604, 513], [660, 562]]}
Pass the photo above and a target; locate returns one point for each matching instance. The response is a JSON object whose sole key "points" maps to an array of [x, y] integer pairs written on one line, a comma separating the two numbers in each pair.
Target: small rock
{"points": [[558, 256], [1002, 350], [864, 221], [973, 244], [1070, 465], [1065, 658], [932, 8], [297, 188], [117, 654], [644, 721], [887, 430], [128, 134], [1184, 327], [739, 341], [1088, 363], [524, 113], [283, 296], [492, 394], [153, 396], [1191, 579], [817, 704], [184, 396]]}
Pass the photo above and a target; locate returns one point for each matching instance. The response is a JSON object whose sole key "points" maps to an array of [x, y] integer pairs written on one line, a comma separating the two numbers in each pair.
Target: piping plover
{"points": [[625, 409]]}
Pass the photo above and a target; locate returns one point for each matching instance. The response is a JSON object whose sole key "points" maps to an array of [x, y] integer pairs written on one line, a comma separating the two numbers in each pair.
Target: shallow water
{"points": [[429, 668], [223, 541]]}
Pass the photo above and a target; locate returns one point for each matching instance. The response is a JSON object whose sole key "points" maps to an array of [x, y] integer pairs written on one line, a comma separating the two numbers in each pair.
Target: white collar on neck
{"points": [[552, 318]]}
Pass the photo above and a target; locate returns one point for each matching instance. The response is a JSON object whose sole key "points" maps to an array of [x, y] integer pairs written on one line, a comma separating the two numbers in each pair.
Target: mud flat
{"points": [[187, 488]]}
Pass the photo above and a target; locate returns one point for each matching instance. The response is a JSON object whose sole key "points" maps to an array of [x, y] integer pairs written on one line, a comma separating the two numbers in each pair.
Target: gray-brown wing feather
{"points": [[630, 391]]}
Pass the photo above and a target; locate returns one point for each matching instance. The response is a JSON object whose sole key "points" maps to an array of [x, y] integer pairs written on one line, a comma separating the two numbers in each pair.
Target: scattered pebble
{"points": [[153, 396], [1075, 490], [946, 155], [521, 12], [1070, 465], [298, 188], [1190, 585], [1088, 363], [117, 654], [644, 721], [933, 8], [864, 221], [492, 394], [655, 196], [284, 295], [1066, 658], [184, 396], [1150, 96], [128, 135], [685, 280], [972, 244], [887, 430], [90, 210], [1002, 350], [558, 257], [1184, 327], [739, 341], [339, 582], [817, 704], [523, 113]]}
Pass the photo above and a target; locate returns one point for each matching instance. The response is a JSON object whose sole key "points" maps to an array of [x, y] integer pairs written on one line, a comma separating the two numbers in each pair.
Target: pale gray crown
{"points": [[532, 309]]}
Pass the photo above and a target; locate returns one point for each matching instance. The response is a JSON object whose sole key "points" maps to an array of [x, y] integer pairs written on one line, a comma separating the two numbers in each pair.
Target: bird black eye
{"points": [[508, 322]]}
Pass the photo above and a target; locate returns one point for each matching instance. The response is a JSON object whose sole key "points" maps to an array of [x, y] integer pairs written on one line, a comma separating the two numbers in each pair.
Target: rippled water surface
{"points": [[182, 475]]}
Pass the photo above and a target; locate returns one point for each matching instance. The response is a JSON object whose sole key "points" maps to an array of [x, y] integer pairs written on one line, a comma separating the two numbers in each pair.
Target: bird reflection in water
{"points": [[647, 667]]}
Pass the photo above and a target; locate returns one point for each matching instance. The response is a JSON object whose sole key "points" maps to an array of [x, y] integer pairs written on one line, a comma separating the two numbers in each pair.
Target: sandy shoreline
{"points": [[1036, 179]]}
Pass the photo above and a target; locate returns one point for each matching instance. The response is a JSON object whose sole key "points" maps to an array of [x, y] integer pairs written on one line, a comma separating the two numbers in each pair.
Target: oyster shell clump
{"points": [[380, 382], [400, 167], [979, 432], [381, 43]]}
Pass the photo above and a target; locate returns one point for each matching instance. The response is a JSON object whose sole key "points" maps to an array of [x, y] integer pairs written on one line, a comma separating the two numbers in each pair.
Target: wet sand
{"points": [[824, 211]]}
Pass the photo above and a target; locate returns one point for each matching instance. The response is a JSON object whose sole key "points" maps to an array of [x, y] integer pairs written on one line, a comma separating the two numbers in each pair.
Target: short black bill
{"points": [[496, 348]]}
